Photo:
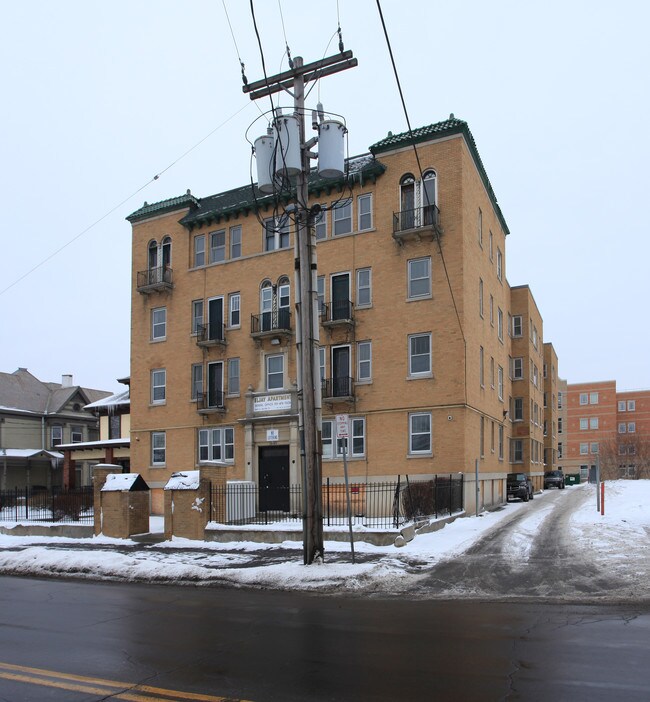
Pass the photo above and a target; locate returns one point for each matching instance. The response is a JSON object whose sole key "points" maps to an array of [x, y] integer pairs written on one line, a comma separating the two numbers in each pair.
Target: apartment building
{"points": [[551, 407], [415, 337], [609, 428]]}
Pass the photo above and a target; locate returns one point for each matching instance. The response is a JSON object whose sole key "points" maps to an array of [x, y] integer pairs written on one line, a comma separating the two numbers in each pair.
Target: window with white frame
{"points": [[621, 405], [517, 368], [364, 361], [500, 383], [622, 427], [593, 422], [419, 354], [233, 376], [584, 398], [364, 287], [518, 409], [322, 355], [500, 324], [535, 376], [56, 435], [492, 372], [320, 291], [584, 449], [216, 444], [218, 246], [593, 398], [197, 381], [342, 217], [419, 278], [158, 385], [517, 325], [199, 250], [481, 366], [276, 233], [481, 437], [234, 304], [364, 211], [480, 228], [197, 315], [158, 448], [559, 449], [516, 451], [420, 433], [158, 323], [275, 372], [492, 310], [491, 245], [320, 224], [584, 423], [631, 405], [501, 442], [355, 448], [235, 241], [631, 427], [480, 297], [76, 434], [594, 447], [534, 337], [499, 264]]}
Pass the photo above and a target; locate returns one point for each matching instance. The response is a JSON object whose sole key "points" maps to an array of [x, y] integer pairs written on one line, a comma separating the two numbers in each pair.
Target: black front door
{"points": [[341, 371], [274, 478], [215, 319]]}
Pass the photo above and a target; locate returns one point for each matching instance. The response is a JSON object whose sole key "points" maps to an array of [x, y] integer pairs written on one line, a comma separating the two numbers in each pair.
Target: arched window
{"points": [[166, 252], [159, 260], [284, 303], [429, 197], [153, 255], [266, 305]]}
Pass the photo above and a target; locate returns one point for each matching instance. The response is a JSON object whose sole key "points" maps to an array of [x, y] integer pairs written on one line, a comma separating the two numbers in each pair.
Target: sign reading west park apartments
{"points": [[272, 403]]}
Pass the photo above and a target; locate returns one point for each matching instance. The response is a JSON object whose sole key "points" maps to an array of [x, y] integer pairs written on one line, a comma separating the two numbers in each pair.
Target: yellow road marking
{"points": [[99, 686]]}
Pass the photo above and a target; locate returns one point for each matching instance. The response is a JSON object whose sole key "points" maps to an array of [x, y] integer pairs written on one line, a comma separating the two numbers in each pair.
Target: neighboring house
{"points": [[36, 418], [113, 445], [415, 326]]}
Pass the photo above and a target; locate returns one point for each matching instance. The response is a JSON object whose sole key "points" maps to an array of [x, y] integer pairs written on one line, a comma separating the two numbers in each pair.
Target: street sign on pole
{"points": [[343, 432], [342, 426]]}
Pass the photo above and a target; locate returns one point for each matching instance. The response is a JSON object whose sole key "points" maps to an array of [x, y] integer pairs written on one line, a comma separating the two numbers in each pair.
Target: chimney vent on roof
{"points": [[451, 115], [66, 380]]}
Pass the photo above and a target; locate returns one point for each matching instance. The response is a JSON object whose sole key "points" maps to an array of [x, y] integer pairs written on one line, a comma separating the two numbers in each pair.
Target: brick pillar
{"points": [[100, 472], [69, 471], [109, 456], [216, 477]]}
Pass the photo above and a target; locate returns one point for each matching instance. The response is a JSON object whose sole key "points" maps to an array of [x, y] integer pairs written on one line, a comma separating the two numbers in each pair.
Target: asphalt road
{"points": [[260, 645]]}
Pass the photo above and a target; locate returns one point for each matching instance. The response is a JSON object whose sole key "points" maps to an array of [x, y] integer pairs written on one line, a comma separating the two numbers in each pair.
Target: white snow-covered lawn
{"points": [[619, 537]]}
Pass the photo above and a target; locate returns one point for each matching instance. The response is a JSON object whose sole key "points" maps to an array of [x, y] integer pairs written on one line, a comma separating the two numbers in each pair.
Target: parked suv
{"points": [[519, 485], [554, 478]]}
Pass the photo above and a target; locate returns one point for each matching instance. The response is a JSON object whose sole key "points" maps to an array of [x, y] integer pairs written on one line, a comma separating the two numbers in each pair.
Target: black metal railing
{"points": [[154, 278], [384, 505], [405, 220], [47, 505], [206, 401], [337, 311], [210, 333], [337, 387], [271, 322]]}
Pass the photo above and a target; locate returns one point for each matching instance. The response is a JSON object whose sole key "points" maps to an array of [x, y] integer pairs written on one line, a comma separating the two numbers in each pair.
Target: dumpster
{"points": [[572, 479]]}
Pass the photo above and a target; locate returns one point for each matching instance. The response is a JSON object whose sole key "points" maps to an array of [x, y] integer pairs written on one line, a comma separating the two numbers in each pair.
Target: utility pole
{"points": [[307, 332]]}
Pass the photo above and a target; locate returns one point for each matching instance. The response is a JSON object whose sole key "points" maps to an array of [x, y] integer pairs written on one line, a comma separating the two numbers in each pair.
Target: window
{"points": [[481, 437], [517, 368], [234, 302], [492, 372], [480, 297], [481, 367], [499, 264], [500, 324], [517, 451], [518, 410], [233, 376], [158, 448], [199, 250], [480, 228], [158, 383], [76, 435], [320, 291], [517, 325], [235, 241], [158, 323], [276, 233], [593, 398], [559, 425], [218, 246], [491, 310], [364, 206], [584, 423], [584, 449], [275, 372], [492, 436], [419, 354], [197, 380], [420, 433], [342, 217], [584, 398], [500, 383], [115, 426], [419, 278], [320, 223], [621, 405], [491, 246], [217, 444], [559, 400], [197, 315], [631, 427], [534, 336], [364, 361], [321, 362], [56, 435], [631, 405], [559, 449], [535, 376], [500, 442], [364, 287], [593, 422], [357, 434], [622, 427], [594, 447]]}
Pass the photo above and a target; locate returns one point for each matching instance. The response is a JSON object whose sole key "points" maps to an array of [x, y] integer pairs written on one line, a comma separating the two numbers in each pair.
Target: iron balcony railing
{"points": [[159, 278], [417, 218], [210, 401], [269, 322], [332, 388], [210, 334], [337, 311]]}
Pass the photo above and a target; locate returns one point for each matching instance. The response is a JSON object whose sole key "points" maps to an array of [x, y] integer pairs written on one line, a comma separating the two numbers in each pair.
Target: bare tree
{"points": [[625, 456]]}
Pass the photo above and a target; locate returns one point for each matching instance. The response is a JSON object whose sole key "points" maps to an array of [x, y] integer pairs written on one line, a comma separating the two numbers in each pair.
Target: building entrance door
{"points": [[274, 478]]}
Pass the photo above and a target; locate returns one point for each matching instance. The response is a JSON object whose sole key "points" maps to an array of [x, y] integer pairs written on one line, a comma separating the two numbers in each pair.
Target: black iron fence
{"points": [[386, 505], [43, 505]]}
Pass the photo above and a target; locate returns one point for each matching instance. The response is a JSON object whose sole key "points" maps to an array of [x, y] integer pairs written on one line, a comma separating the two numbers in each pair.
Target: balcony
{"points": [[337, 390], [210, 402], [416, 224], [271, 324], [211, 334], [154, 280], [337, 313]]}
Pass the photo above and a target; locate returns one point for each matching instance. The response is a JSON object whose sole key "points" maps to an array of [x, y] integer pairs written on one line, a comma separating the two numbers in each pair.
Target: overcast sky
{"points": [[98, 98]]}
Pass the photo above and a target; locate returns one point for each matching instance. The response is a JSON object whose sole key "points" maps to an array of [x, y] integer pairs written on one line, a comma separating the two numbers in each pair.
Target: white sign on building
{"points": [[272, 403]]}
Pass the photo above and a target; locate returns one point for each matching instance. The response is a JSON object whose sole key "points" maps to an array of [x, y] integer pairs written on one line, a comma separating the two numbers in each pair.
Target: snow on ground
{"points": [[616, 537]]}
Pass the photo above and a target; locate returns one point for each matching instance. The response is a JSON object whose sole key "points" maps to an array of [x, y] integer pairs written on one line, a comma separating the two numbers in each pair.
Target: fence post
{"points": [[328, 502], [435, 496], [451, 485]]}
